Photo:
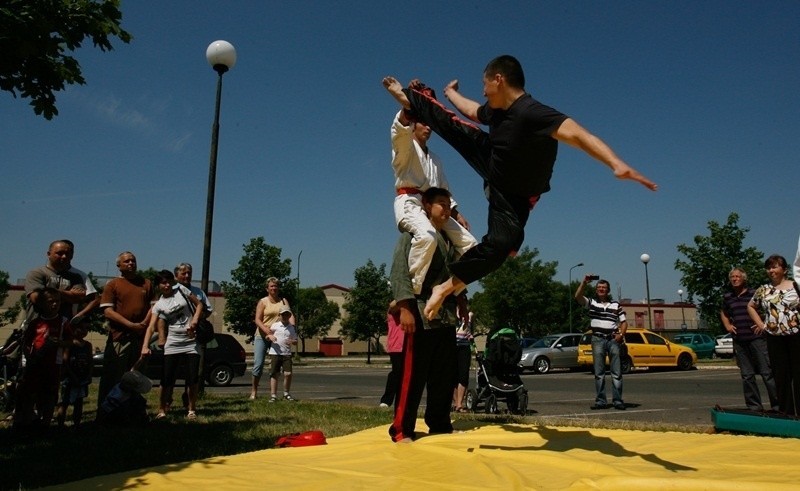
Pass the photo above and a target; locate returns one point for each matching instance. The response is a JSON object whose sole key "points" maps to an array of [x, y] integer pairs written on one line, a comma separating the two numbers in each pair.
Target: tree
{"points": [[37, 36], [705, 270], [522, 295], [366, 305], [11, 313], [248, 284], [314, 313]]}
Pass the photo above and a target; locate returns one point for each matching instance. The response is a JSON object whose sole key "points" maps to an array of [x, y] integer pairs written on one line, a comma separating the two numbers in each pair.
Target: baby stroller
{"points": [[497, 376], [10, 355]]}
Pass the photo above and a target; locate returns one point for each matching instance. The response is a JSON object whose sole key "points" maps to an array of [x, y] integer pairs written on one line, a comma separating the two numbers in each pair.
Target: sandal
{"points": [[191, 415], [460, 410]]}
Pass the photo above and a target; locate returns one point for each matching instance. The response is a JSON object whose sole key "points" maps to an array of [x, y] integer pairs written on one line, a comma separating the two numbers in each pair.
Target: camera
{"points": [[594, 277]]}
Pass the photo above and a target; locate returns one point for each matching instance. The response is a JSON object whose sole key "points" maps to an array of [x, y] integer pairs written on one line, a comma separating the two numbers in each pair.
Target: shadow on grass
{"points": [[225, 426]]}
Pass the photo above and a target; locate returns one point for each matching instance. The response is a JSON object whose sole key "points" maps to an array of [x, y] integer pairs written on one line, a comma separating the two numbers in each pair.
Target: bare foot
{"points": [[434, 303], [396, 90], [632, 174]]}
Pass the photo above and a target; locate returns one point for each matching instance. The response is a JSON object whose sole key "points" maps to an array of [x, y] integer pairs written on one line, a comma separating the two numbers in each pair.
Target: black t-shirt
{"points": [[523, 152]]}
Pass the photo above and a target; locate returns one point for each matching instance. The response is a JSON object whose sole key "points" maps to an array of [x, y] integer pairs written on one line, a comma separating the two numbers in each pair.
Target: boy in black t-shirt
{"points": [[515, 158]]}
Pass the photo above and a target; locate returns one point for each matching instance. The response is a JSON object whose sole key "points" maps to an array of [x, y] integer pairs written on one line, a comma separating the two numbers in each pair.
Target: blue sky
{"points": [[700, 96]]}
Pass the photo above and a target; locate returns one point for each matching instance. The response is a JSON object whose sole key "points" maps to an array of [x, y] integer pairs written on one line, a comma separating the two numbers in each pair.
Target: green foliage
{"points": [[38, 37], [11, 313], [705, 270], [314, 314], [249, 282], [366, 304], [522, 295]]}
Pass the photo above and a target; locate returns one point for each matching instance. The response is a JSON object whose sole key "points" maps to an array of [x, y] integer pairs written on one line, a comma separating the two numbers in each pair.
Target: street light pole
{"points": [[646, 259], [297, 305], [221, 55], [569, 297], [683, 315]]}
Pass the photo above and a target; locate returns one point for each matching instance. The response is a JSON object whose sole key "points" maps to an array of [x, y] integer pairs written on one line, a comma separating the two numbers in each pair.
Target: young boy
{"points": [[515, 158], [283, 336], [77, 376], [416, 169], [45, 339]]}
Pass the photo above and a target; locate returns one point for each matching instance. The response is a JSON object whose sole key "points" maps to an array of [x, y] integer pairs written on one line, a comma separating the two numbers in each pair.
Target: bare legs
{"points": [[287, 383]]}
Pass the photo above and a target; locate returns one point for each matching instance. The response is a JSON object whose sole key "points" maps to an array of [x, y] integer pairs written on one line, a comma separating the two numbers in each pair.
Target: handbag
{"points": [[205, 329]]}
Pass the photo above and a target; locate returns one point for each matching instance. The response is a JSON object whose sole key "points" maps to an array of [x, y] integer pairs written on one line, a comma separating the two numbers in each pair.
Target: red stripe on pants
{"points": [[405, 386]]}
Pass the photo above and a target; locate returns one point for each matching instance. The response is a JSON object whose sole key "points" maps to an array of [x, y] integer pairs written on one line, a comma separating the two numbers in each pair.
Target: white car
{"points": [[724, 347]]}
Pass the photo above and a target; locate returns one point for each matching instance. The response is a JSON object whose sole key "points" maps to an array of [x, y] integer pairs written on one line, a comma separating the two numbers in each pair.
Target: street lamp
{"points": [[646, 259], [569, 298], [221, 55], [683, 315], [297, 305]]}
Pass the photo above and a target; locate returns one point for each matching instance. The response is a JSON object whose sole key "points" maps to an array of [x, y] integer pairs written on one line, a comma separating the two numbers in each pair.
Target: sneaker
{"points": [[191, 415], [619, 406], [599, 405], [288, 397], [161, 415], [383, 405], [273, 399]]}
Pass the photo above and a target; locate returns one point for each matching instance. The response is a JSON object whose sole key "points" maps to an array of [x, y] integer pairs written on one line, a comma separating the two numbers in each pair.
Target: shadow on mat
{"points": [[564, 440]]}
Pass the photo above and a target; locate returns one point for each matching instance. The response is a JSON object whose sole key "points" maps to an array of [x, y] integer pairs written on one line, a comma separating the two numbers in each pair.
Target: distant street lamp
{"points": [[683, 316], [569, 298], [297, 304], [221, 55], [646, 259]]}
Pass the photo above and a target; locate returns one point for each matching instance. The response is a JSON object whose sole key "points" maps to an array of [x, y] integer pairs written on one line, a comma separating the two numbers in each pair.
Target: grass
{"points": [[225, 425]]}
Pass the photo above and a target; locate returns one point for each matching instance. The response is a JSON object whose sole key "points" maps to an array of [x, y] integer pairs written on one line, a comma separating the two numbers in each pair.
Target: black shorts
{"points": [[171, 363]]}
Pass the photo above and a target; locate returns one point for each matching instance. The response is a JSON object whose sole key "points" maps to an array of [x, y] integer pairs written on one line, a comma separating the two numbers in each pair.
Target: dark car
{"points": [[224, 360]]}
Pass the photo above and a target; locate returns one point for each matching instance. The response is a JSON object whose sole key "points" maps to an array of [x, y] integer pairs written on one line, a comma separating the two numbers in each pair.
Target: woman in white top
{"points": [[175, 315]]}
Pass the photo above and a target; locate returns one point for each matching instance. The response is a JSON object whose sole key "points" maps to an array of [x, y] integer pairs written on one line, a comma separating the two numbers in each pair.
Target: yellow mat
{"points": [[482, 456]]}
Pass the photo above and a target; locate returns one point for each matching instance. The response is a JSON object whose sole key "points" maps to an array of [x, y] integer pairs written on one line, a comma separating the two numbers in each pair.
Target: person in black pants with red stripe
{"points": [[515, 158], [429, 346]]}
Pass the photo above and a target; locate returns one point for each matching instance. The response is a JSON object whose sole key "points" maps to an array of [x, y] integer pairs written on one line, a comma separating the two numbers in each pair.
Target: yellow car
{"points": [[645, 349]]}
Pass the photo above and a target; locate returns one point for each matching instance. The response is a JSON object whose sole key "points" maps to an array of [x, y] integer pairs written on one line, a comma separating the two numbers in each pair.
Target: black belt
{"points": [[605, 335]]}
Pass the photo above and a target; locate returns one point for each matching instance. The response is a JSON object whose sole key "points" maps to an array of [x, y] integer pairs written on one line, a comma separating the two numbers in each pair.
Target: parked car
{"points": [[702, 344], [645, 349], [224, 360], [724, 346], [527, 342], [552, 351]]}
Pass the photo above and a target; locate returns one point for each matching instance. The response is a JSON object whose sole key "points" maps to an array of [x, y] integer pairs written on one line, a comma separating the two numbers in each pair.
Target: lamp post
{"points": [[683, 315], [221, 55], [646, 259], [569, 298], [297, 305]]}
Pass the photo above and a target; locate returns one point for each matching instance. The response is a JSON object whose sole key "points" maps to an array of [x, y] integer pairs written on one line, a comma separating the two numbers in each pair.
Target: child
{"points": [[45, 338], [416, 169], [283, 336], [77, 376], [125, 404]]}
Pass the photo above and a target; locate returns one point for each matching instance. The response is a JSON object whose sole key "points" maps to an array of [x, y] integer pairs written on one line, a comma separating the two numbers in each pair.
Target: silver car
{"points": [[552, 351], [724, 347]]}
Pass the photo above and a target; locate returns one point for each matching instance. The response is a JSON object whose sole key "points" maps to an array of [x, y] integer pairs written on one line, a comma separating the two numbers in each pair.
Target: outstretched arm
{"points": [[396, 90], [465, 106], [574, 134]]}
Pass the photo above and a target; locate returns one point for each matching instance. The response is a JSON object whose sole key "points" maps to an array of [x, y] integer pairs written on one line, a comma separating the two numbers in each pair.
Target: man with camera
{"points": [[608, 325]]}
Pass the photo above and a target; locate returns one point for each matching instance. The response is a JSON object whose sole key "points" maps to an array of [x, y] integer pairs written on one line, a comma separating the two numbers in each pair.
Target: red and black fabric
{"points": [[508, 212]]}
